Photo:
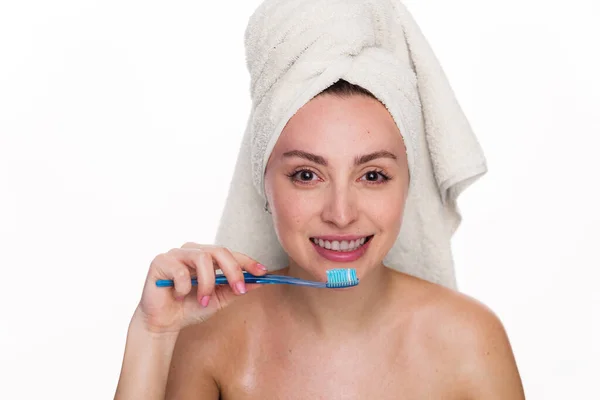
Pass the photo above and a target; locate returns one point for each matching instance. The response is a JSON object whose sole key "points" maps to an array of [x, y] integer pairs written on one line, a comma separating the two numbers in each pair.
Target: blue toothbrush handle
{"points": [[249, 278]]}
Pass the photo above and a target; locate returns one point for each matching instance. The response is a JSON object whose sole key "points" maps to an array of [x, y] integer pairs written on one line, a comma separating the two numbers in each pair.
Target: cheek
{"points": [[291, 209], [291, 220], [387, 210]]}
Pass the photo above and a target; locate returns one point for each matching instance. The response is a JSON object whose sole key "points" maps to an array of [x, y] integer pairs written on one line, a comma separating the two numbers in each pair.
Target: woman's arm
{"points": [[164, 312], [159, 366], [146, 363]]}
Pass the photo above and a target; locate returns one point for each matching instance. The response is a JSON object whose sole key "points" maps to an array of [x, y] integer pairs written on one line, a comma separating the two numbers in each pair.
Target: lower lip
{"points": [[341, 256]]}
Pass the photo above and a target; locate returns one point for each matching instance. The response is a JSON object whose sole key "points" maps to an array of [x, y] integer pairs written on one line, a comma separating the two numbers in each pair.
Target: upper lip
{"points": [[339, 238]]}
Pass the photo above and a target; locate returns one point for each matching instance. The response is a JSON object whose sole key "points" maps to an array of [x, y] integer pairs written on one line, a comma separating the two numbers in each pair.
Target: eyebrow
{"points": [[373, 156], [357, 161], [308, 156]]}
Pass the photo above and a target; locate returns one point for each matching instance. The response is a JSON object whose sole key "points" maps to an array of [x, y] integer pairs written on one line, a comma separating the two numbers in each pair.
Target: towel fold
{"points": [[297, 48]]}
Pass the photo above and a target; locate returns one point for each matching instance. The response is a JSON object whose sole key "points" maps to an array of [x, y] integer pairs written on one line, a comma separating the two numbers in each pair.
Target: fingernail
{"points": [[241, 287], [259, 265], [204, 301]]}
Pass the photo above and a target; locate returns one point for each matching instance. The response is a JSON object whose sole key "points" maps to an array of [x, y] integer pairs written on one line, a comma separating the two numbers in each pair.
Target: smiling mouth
{"points": [[342, 245]]}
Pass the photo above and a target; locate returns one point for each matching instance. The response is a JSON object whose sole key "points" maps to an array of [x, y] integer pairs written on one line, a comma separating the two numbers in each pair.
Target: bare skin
{"points": [[163, 312], [421, 342], [339, 168]]}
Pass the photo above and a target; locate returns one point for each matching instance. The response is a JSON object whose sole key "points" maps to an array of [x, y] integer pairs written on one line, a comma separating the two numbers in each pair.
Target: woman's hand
{"points": [[170, 309]]}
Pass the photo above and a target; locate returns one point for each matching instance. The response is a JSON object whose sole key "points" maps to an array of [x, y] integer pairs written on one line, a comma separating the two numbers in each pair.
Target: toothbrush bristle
{"points": [[341, 277]]}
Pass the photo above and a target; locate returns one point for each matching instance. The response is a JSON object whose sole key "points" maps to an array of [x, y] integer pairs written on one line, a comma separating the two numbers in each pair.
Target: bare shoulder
{"points": [[466, 337], [204, 351]]}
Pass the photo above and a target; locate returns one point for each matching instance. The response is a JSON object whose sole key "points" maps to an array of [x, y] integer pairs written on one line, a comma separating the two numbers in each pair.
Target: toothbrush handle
{"points": [[249, 278], [272, 279]]}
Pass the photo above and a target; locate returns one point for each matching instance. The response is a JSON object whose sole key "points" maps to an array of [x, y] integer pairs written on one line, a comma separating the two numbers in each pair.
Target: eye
{"points": [[375, 177], [303, 175]]}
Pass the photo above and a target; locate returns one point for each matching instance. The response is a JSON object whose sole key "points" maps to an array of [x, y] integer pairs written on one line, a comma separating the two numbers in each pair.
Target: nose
{"points": [[340, 207]]}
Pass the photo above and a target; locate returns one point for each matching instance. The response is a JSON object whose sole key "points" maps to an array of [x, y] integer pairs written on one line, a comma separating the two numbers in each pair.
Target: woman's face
{"points": [[336, 183]]}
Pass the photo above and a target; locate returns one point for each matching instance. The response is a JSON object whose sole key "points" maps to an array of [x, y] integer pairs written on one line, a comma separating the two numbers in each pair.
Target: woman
{"points": [[341, 162]]}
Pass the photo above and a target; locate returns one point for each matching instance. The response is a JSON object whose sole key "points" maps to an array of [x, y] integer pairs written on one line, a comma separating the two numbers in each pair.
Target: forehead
{"points": [[333, 125]]}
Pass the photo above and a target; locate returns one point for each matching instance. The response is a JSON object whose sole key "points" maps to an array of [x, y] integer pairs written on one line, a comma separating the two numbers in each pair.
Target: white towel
{"points": [[297, 48]]}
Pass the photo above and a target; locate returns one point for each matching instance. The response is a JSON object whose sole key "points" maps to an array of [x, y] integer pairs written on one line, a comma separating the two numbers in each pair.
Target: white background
{"points": [[119, 127]]}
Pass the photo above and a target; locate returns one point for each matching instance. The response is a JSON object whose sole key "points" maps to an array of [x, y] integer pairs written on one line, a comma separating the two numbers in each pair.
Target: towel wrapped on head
{"points": [[295, 49]]}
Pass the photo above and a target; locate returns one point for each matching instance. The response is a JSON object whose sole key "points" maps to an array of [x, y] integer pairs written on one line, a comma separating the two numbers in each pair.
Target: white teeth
{"points": [[344, 245]]}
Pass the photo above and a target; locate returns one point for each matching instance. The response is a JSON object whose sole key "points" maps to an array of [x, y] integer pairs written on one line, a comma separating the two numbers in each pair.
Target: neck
{"points": [[333, 312]]}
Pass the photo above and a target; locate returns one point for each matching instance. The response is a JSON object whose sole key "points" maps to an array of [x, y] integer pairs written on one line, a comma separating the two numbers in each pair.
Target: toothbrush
{"points": [[336, 278]]}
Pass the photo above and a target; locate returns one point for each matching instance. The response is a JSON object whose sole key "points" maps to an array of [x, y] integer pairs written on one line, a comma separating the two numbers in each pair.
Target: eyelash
{"points": [[380, 172]]}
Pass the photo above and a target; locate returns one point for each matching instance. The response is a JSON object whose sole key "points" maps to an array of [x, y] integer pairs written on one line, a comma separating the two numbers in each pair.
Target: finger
{"points": [[256, 269], [246, 263], [205, 272], [167, 266], [249, 264], [231, 268], [202, 263], [192, 245], [182, 280]]}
